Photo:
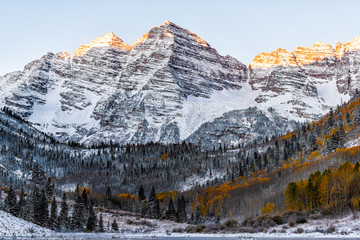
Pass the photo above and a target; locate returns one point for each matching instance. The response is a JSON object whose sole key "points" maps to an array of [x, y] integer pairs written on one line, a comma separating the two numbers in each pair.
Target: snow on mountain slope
{"points": [[170, 83], [13, 226]]}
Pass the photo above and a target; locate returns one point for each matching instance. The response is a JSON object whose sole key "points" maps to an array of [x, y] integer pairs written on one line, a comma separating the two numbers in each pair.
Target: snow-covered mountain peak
{"points": [[353, 44], [106, 40], [172, 82], [141, 40], [299, 57], [173, 28], [280, 57]]}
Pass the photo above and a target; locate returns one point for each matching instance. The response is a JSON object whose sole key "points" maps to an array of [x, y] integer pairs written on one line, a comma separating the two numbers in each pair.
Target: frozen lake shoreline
{"points": [[93, 236]]}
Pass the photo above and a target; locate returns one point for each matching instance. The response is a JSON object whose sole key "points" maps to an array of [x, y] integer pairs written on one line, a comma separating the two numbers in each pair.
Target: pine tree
{"points": [[331, 118], [43, 209], [101, 224], [335, 141], [181, 211], [35, 201], [77, 215], [141, 194], [156, 211], [91, 221], [197, 217], [115, 226], [53, 221], [108, 198], [10, 201], [348, 119], [153, 204], [357, 115], [85, 198], [341, 136], [20, 205], [171, 211], [64, 213], [142, 200], [49, 188]]}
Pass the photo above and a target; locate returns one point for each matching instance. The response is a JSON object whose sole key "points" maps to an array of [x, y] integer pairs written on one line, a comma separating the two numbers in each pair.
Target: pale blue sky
{"points": [[242, 29]]}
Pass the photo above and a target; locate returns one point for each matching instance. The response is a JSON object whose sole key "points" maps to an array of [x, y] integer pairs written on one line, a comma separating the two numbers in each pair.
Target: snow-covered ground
{"points": [[352, 143], [130, 223], [11, 226], [133, 227], [196, 180], [348, 225]]}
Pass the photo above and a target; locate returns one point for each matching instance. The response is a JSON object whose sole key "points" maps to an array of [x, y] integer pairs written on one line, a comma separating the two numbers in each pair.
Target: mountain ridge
{"points": [[167, 85]]}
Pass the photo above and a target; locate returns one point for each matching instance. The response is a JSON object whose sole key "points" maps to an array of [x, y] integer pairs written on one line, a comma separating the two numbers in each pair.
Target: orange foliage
{"points": [[287, 136], [212, 198], [164, 156], [166, 195], [127, 196], [268, 209]]}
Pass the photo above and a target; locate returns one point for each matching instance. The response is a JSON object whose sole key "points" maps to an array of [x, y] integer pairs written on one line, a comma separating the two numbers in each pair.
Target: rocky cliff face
{"points": [[110, 90], [172, 86], [240, 127]]}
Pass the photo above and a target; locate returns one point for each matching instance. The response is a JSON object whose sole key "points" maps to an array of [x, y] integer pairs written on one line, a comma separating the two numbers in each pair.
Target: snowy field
{"points": [[345, 228], [203, 237]]}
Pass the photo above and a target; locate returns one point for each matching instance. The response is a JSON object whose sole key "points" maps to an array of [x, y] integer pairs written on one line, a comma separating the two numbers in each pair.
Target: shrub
{"points": [[231, 223], [291, 223], [268, 223], [246, 230], [249, 222], [199, 228], [214, 227], [315, 216], [277, 219], [300, 230], [331, 229], [195, 229], [178, 230], [301, 219], [273, 231]]}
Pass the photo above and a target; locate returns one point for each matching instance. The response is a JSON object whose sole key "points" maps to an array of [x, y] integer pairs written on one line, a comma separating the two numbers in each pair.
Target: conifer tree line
{"points": [[76, 211], [38, 156], [40, 207]]}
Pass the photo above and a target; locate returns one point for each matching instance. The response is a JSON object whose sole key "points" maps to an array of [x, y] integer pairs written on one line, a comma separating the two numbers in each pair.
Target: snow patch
{"points": [[198, 110], [13, 226], [329, 93]]}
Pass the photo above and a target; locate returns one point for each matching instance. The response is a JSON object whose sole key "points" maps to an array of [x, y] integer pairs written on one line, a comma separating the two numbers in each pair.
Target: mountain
{"points": [[170, 84]]}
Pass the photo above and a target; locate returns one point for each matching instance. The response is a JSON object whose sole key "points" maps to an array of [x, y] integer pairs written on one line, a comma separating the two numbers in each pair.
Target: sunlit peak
{"points": [[167, 22], [106, 40]]}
